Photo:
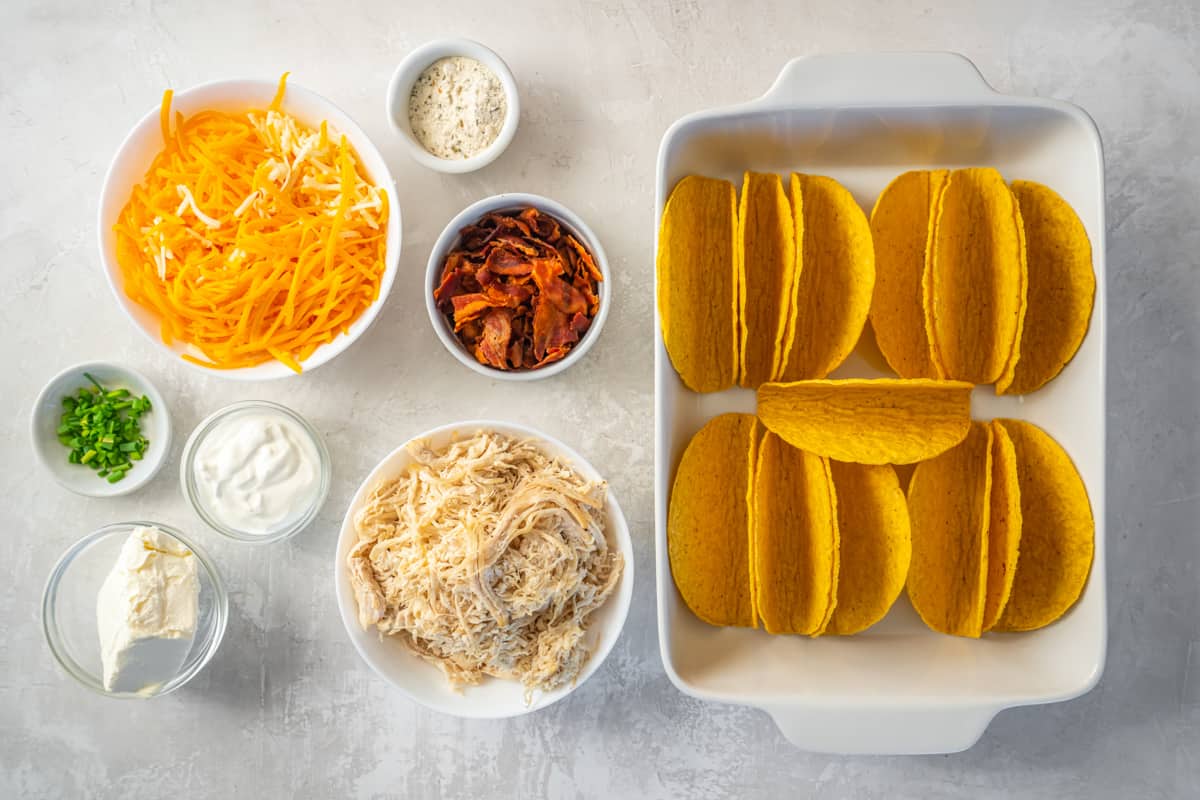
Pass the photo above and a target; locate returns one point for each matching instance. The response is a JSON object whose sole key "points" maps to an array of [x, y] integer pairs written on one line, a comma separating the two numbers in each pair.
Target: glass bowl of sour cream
{"points": [[255, 471]]}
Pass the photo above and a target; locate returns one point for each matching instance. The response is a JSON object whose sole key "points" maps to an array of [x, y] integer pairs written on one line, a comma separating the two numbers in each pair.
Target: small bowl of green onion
{"points": [[101, 429]]}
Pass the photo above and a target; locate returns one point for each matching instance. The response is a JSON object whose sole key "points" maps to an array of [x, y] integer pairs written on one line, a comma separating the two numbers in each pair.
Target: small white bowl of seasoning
{"points": [[255, 472], [454, 102]]}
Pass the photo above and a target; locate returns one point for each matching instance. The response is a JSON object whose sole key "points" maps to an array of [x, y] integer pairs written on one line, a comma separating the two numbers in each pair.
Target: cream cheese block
{"points": [[146, 612]]}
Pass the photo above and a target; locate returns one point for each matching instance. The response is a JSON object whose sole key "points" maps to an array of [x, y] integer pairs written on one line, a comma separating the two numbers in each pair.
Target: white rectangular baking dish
{"points": [[898, 688]]}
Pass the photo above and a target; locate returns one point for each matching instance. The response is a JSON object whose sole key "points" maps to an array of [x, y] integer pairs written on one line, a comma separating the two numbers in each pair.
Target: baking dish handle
{"points": [[877, 79], [883, 731]]}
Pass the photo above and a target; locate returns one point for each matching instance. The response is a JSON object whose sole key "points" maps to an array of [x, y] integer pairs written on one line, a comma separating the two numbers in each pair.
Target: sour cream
{"points": [[257, 471]]}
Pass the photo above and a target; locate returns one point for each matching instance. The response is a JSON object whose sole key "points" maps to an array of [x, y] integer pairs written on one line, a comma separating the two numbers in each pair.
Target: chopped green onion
{"points": [[101, 428]]}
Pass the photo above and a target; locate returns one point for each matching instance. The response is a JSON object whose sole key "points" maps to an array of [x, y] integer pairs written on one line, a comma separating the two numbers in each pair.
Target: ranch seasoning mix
{"points": [[457, 108]]}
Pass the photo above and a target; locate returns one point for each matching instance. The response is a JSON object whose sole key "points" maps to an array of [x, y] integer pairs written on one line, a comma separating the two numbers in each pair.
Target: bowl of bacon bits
{"points": [[518, 287]]}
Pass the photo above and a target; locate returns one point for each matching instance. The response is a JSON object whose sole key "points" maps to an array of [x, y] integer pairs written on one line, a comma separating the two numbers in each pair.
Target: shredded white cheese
{"points": [[246, 203], [188, 202]]}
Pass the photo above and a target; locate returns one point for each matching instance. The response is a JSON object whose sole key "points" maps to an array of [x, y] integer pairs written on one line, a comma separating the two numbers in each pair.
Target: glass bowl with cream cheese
{"points": [[255, 471], [134, 610]]}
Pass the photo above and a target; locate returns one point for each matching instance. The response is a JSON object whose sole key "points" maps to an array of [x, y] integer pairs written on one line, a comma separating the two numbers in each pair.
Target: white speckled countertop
{"points": [[287, 708]]}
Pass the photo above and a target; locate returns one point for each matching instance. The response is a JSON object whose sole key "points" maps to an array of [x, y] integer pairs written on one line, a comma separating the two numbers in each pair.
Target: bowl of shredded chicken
{"points": [[485, 569]]}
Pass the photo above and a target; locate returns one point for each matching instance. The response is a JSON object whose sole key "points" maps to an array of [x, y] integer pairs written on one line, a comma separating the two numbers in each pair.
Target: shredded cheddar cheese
{"points": [[252, 237]]}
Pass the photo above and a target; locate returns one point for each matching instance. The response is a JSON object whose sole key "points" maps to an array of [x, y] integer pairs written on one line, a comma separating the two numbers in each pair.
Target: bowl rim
{"points": [[158, 404], [361, 142], [206, 427], [618, 526], [406, 74], [510, 201], [83, 676]]}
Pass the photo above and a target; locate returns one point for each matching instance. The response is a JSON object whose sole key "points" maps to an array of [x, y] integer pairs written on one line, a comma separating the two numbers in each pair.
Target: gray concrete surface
{"points": [[287, 708]]}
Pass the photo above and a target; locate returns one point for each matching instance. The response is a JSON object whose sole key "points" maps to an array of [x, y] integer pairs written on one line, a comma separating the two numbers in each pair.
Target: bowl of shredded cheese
{"points": [[485, 569], [250, 228]]}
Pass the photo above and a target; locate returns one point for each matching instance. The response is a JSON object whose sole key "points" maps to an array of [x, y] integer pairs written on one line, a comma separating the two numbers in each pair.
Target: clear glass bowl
{"points": [[69, 608], [191, 490]]}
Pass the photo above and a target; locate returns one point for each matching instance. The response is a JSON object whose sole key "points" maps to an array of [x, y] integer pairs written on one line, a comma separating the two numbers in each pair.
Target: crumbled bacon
{"points": [[493, 345], [519, 291]]}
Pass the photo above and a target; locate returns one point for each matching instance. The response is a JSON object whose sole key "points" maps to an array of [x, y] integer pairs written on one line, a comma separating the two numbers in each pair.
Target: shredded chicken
{"points": [[486, 557]]}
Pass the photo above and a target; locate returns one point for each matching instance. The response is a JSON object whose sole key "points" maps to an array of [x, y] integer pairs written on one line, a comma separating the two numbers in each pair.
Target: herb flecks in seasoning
{"points": [[101, 429], [457, 108]]}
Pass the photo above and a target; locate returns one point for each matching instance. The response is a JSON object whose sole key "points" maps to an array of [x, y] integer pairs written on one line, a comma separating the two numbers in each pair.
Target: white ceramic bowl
{"points": [[144, 142], [47, 414], [452, 236], [425, 683], [400, 89]]}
